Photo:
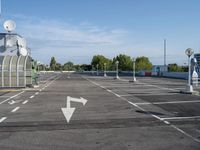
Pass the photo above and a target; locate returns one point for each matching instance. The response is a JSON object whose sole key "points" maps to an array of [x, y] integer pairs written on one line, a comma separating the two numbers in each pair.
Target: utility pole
{"points": [[0, 8], [165, 48]]}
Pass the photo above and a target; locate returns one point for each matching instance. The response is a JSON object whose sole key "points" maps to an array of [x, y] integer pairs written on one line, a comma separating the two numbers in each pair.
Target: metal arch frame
{"points": [[10, 71], [9, 64], [2, 72], [25, 62], [18, 70]]}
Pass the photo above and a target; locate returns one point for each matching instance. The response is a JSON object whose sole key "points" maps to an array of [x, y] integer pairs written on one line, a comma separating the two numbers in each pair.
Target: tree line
{"points": [[100, 62]]}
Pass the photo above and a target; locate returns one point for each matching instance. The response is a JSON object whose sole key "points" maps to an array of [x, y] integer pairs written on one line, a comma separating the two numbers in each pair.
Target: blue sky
{"points": [[75, 30]]}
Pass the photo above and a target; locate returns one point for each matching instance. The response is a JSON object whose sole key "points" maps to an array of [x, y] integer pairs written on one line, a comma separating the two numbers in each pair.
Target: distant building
{"points": [[197, 56], [157, 70]]}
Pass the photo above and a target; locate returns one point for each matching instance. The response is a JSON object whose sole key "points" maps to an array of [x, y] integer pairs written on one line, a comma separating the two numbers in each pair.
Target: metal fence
{"points": [[15, 71]]}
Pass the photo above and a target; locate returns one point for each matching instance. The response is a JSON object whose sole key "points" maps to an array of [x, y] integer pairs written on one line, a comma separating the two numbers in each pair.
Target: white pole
{"points": [[189, 87], [105, 70], [117, 70], [134, 79], [189, 72]]}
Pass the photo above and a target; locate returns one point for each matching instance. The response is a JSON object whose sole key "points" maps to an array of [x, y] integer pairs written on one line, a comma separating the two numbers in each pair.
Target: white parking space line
{"points": [[24, 102], [2, 119], [142, 83], [125, 95], [11, 97], [32, 96], [4, 96], [172, 102], [180, 130], [123, 80], [166, 122], [181, 118], [15, 109], [155, 116]]}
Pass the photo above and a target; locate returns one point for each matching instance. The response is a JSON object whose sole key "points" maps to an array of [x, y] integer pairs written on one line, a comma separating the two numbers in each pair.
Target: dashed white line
{"points": [[166, 122], [32, 96], [36, 93], [2, 119], [11, 97], [15, 109], [24, 102]]}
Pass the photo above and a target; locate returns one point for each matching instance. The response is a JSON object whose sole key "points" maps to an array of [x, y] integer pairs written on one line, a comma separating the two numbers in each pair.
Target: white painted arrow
{"points": [[12, 102], [68, 111]]}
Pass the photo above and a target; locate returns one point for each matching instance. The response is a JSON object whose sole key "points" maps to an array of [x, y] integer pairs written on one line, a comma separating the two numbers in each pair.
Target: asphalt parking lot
{"points": [[148, 114]]}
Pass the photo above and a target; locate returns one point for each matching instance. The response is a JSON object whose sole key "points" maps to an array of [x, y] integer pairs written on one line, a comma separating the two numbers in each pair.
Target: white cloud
{"points": [[79, 42], [64, 40]]}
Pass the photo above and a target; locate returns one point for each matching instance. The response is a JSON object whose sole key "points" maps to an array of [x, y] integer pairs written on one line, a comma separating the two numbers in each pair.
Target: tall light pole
{"points": [[189, 53], [117, 70], [97, 69], [105, 70], [134, 78], [165, 49]]}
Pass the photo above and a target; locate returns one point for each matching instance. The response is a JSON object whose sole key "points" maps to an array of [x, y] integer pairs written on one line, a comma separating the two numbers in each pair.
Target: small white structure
{"points": [[195, 76], [157, 70]]}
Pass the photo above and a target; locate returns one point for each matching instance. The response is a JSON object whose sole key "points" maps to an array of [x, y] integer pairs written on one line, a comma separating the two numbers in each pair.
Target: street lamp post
{"points": [[189, 53], [97, 69], [117, 70], [134, 78], [105, 70]]}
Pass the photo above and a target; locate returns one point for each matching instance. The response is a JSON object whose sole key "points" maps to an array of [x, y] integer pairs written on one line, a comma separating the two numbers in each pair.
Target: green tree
{"points": [[100, 60], [58, 67], [143, 63], [125, 62], [53, 63], [86, 67], [175, 68], [69, 66]]}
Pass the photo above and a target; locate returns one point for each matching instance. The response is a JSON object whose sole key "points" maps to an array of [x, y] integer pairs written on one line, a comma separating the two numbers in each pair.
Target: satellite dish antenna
{"points": [[23, 51], [9, 25], [21, 42]]}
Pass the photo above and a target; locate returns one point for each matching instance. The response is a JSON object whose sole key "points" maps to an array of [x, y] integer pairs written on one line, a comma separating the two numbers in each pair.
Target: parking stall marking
{"points": [[15, 109], [24, 102], [153, 115], [32, 96], [171, 102], [11, 97], [2, 119], [181, 118]]}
